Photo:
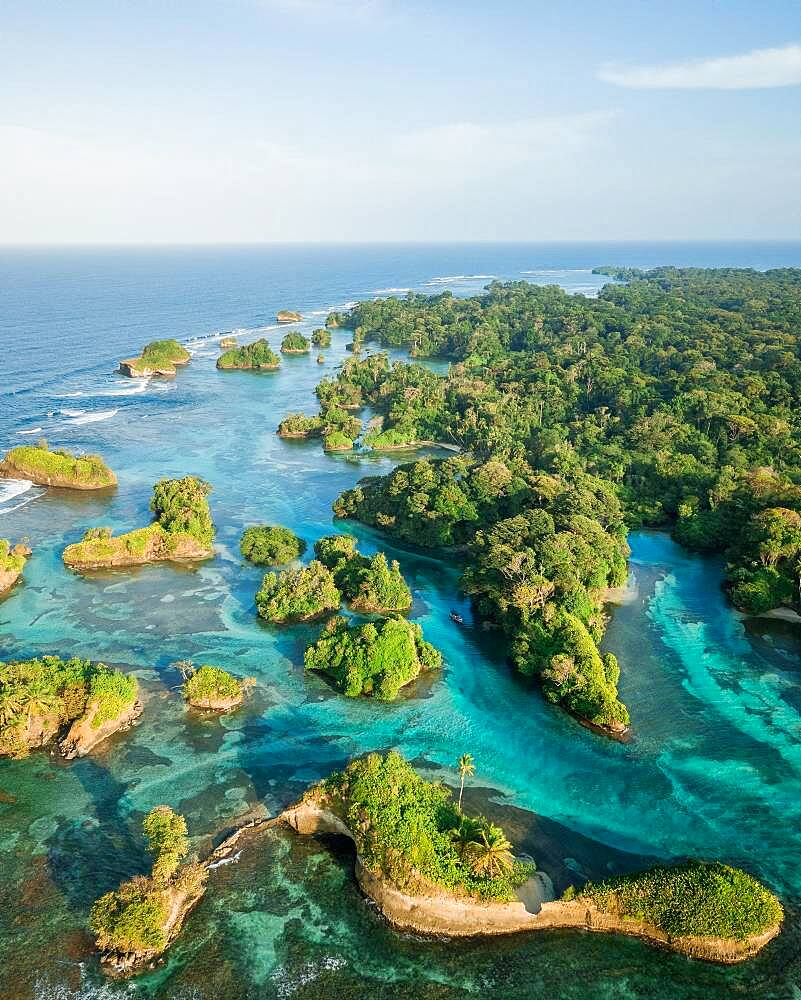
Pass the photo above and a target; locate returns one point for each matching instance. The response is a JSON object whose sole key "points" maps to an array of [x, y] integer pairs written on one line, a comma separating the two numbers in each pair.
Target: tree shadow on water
{"points": [[90, 856]]}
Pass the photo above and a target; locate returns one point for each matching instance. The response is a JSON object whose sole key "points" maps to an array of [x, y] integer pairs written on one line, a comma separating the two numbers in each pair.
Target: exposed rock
{"points": [[217, 704], [10, 469], [158, 546], [136, 368], [83, 736], [288, 316], [440, 912], [227, 342]]}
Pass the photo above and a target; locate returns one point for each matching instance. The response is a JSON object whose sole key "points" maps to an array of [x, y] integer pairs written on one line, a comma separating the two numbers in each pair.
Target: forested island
{"points": [[369, 584], [270, 545], [213, 689], [182, 530], [295, 343], [75, 701], [159, 357], [433, 869], [258, 356], [136, 923], [671, 401], [57, 467], [377, 658]]}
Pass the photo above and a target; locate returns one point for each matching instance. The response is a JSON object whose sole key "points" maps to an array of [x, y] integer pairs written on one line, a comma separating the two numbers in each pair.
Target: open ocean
{"points": [[714, 769]]}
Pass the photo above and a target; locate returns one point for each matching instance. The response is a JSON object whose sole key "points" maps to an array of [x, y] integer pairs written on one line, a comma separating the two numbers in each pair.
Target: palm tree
{"points": [[466, 769], [37, 697], [464, 834], [491, 853], [10, 705]]}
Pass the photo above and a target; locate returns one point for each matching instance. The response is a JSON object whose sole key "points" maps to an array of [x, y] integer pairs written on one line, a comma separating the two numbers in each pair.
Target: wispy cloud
{"points": [[779, 67]]}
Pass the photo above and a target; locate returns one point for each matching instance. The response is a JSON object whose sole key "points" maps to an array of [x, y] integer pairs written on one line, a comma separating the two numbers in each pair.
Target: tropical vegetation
{"points": [[258, 356], [182, 529], [376, 659], [64, 468], [297, 594], [208, 686], [696, 898], [409, 831], [270, 545], [368, 583], [294, 343], [40, 697], [139, 917]]}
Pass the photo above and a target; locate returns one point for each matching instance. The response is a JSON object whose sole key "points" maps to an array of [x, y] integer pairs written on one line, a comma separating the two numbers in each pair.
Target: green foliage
{"points": [[372, 659], [134, 918], [182, 518], [258, 355], [63, 689], [209, 683], [167, 841], [159, 352], [40, 462], [266, 545], [369, 584], [12, 560], [337, 441], [111, 692], [297, 594], [393, 437], [322, 338], [181, 507], [300, 425], [403, 826], [696, 899], [294, 343]]}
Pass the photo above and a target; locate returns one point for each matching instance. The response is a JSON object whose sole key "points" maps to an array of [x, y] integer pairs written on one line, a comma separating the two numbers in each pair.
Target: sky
{"points": [[227, 121]]}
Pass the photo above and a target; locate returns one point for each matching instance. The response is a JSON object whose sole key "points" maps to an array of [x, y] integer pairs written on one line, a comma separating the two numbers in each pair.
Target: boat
{"points": [[456, 617]]}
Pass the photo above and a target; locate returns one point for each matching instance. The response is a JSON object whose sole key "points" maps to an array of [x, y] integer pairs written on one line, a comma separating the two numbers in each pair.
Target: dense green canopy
{"points": [[673, 400], [373, 659]]}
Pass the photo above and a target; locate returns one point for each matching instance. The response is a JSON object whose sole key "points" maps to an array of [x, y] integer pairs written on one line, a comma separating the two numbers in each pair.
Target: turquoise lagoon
{"points": [[713, 770]]}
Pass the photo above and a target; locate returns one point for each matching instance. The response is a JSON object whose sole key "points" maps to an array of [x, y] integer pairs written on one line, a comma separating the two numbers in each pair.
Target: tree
{"points": [[466, 770], [491, 854], [37, 697], [464, 834]]}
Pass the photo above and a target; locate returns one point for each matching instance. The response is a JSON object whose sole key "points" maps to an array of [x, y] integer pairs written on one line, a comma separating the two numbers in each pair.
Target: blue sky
{"points": [[255, 120]]}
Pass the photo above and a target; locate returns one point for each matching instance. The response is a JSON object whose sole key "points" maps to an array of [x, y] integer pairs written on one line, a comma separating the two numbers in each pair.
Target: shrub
{"points": [[337, 441], [696, 898], [164, 352], [322, 338], [270, 546]]}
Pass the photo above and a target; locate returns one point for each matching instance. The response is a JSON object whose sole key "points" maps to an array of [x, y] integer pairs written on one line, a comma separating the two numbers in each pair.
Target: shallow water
{"points": [[713, 769]]}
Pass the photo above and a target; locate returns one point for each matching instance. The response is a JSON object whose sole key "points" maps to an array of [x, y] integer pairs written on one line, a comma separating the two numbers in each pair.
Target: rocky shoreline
{"points": [[446, 914], [9, 470]]}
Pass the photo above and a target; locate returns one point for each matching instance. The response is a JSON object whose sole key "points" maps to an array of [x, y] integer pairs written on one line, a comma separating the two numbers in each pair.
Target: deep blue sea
{"points": [[713, 770]]}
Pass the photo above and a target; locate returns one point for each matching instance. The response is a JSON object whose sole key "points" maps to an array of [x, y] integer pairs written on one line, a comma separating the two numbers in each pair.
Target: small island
{"points": [[295, 343], [369, 584], [213, 689], [257, 356], [12, 563], [77, 702], [182, 531], [60, 468], [297, 595], [227, 342], [266, 545], [159, 357], [321, 337], [137, 922], [375, 659], [299, 425], [431, 869]]}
